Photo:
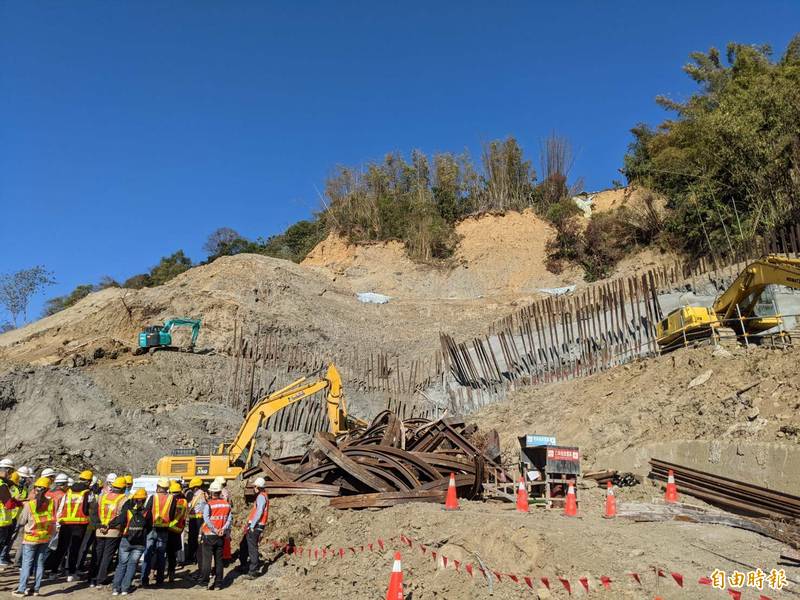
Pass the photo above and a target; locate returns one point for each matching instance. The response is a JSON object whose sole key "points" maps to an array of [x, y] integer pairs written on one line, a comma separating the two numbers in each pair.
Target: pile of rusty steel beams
{"points": [[730, 494], [389, 462]]}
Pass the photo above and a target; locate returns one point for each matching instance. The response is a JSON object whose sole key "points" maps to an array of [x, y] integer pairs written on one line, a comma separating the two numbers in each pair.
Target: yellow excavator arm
{"points": [[226, 461], [735, 307]]}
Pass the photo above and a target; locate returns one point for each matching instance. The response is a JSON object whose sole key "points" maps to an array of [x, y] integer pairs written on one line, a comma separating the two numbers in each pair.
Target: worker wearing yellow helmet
{"points": [[37, 521], [73, 515], [128, 482], [196, 498], [161, 506], [135, 523], [108, 506], [176, 528]]}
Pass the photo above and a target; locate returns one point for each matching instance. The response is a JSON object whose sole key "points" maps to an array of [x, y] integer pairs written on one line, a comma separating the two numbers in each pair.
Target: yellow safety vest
{"points": [[5, 514], [20, 494], [73, 508], [179, 522], [44, 523], [109, 506]]}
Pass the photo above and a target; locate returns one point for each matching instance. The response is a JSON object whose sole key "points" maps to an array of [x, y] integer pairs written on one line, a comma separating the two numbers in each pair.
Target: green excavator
{"points": [[159, 337]]}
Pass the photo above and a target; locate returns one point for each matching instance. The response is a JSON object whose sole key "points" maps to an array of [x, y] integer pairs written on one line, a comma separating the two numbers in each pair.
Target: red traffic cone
{"points": [[451, 502], [671, 495], [226, 548], [571, 504], [522, 497], [395, 591], [611, 502]]}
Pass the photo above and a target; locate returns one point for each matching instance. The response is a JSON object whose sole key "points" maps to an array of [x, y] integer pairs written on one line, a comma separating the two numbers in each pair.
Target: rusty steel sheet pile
{"points": [[389, 462]]}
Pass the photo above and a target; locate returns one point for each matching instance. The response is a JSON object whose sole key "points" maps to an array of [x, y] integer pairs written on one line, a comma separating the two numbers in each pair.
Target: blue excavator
{"points": [[159, 337]]}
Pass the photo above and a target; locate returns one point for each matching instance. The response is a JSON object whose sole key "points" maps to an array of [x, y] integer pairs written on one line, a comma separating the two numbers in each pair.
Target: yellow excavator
{"points": [[231, 459], [735, 308]]}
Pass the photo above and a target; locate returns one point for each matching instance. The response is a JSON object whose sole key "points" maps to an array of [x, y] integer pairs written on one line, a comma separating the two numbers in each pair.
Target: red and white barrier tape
{"points": [[468, 568]]}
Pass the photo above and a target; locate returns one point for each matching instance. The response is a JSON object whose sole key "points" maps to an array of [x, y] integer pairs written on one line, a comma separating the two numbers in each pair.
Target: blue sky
{"points": [[131, 129]]}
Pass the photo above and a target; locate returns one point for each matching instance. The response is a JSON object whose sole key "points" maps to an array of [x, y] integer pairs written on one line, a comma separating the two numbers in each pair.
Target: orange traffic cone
{"points": [[671, 495], [522, 497], [395, 591], [451, 502], [571, 504], [611, 502]]}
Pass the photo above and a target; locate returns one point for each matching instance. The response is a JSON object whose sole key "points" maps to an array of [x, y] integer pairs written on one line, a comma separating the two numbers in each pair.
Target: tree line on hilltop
{"points": [[726, 165]]}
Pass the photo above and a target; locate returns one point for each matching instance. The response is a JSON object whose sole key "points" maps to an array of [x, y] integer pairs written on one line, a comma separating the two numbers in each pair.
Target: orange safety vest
{"points": [[263, 519], [55, 495], [72, 512], [161, 505], [109, 506], [44, 523], [179, 522], [219, 510]]}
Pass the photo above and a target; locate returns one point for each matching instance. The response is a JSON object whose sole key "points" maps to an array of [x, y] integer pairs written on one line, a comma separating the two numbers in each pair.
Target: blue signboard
{"points": [[533, 439]]}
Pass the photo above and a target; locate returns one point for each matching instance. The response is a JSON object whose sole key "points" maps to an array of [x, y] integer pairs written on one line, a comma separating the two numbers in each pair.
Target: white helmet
{"points": [[215, 486], [260, 483], [6, 463], [70, 481], [220, 480], [25, 472], [48, 472], [111, 477], [61, 478]]}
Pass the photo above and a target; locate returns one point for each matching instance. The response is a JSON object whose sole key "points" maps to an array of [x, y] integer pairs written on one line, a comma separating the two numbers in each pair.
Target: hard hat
{"points": [[195, 482], [42, 482], [70, 482], [220, 480], [61, 478], [175, 487], [111, 477], [139, 494], [6, 463], [86, 475], [215, 486], [260, 483], [119, 482], [48, 472], [163, 483], [25, 472], [14, 477], [129, 479]]}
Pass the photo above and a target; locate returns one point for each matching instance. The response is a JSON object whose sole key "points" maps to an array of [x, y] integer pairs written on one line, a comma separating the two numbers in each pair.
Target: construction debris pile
{"points": [[389, 462]]}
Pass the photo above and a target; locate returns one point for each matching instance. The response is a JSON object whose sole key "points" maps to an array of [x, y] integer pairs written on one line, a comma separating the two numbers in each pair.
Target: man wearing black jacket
{"points": [[135, 522]]}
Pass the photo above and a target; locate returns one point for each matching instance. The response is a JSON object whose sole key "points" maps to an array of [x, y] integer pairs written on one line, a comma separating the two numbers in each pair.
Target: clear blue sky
{"points": [[131, 129]]}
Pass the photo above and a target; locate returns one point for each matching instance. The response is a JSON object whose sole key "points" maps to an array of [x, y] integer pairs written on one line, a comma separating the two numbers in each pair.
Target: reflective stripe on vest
{"points": [[73, 513], [44, 523], [263, 519], [109, 506], [5, 515], [179, 522], [161, 505], [20, 494], [196, 505], [219, 509]]}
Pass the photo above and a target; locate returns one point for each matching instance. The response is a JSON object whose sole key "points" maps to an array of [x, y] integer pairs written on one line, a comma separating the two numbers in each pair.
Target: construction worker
{"points": [[107, 538], [37, 520], [7, 506], [176, 527], [162, 508], [25, 479], [16, 493], [253, 528], [217, 518], [196, 497], [128, 483], [73, 519], [135, 522]]}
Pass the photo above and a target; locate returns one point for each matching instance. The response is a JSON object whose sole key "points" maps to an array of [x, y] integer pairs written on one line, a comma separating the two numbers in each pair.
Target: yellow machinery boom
{"points": [[231, 459], [735, 307]]}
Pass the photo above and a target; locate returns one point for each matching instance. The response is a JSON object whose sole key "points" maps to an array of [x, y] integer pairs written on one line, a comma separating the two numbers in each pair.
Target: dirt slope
{"points": [[622, 417]]}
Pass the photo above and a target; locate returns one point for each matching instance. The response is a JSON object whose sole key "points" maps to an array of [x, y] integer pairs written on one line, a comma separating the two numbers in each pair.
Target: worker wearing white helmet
{"points": [[7, 504], [256, 522], [223, 483], [48, 473], [217, 519]]}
